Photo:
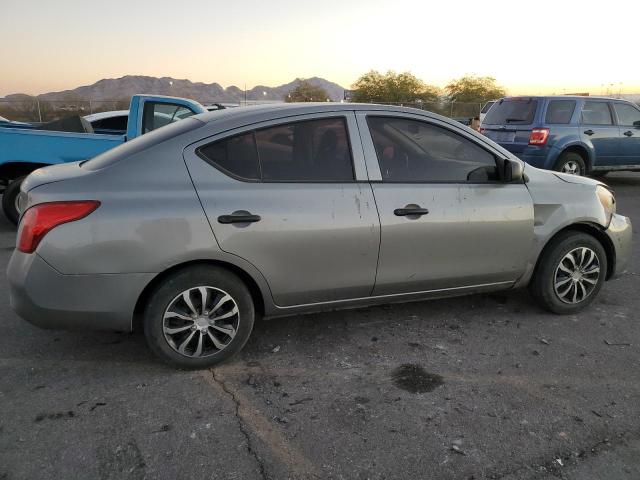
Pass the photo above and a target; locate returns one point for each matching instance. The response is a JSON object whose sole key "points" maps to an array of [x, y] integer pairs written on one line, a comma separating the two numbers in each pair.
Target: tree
{"points": [[474, 89], [307, 92], [392, 87]]}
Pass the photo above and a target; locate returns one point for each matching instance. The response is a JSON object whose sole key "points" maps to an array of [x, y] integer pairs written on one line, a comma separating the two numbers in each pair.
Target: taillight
{"points": [[40, 219], [539, 136]]}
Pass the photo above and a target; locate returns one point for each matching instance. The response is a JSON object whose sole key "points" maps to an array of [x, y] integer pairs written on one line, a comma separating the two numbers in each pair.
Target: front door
{"points": [[629, 123], [597, 128], [447, 220], [288, 197]]}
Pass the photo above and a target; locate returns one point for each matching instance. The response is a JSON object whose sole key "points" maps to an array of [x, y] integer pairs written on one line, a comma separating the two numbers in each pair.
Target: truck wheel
{"points": [[570, 273], [571, 163], [199, 317], [10, 199]]}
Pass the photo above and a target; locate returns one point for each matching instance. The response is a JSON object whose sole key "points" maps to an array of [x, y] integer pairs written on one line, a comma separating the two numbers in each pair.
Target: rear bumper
{"points": [[43, 296], [620, 233]]}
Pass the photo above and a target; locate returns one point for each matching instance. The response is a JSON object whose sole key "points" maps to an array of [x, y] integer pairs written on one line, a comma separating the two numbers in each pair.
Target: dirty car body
{"points": [[307, 207]]}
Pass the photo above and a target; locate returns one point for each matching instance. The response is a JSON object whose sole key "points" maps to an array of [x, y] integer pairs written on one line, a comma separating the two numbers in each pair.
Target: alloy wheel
{"points": [[201, 321], [577, 275], [572, 168]]}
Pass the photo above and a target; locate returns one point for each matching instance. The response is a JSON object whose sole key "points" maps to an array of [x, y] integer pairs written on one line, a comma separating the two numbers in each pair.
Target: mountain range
{"points": [[122, 88]]}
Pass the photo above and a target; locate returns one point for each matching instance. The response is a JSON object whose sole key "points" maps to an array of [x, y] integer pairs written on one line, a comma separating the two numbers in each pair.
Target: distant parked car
{"points": [[570, 134], [485, 109], [200, 227], [24, 149]]}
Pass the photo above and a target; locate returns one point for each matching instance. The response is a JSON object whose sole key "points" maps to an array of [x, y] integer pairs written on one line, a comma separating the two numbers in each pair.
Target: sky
{"points": [[559, 46]]}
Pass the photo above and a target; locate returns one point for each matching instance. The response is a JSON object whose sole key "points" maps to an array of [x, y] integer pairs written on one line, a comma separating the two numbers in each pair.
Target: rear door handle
{"points": [[628, 133], [405, 212], [589, 132], [239, 217]]}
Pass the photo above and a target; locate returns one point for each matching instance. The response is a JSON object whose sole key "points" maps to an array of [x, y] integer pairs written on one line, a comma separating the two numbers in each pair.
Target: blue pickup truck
{"points": [[25, 148], [570, 134]]}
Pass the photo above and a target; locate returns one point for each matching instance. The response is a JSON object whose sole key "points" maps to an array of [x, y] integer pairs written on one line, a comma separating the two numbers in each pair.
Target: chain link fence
{"points": [[35, 110]]}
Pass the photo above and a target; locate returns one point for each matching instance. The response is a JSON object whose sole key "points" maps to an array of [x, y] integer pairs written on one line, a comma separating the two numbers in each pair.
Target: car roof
{"points": [[291, 109], [566, 97]]}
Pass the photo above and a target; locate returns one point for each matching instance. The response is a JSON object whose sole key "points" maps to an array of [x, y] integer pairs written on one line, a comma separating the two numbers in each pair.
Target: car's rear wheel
{"points": [[199, 317], [569, 273], [10, 200], [571, 163]]}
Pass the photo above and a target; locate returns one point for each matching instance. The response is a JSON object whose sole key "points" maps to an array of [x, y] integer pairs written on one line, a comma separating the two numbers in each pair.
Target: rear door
{"points": [[509, 122], [597, 127], [447, 220], [291, 196], [629, 122]]}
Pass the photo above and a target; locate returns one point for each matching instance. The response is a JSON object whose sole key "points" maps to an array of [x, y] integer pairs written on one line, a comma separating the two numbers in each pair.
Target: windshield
{"points": [[512, 111]]}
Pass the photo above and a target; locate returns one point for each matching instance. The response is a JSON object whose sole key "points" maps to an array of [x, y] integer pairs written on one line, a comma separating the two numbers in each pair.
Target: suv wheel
{"points": [[571, 163], [199, 317], [570, 273]]}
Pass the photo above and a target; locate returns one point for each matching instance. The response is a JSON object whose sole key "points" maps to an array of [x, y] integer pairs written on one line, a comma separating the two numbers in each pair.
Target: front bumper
{"points": [[620, 233], [43, 296]]}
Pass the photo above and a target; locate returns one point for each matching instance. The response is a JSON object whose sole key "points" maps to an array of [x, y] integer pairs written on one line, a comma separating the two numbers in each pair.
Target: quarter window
{"points": [[560, 111], [306, 151], [596, 113], [627, 114], [415, 151]]}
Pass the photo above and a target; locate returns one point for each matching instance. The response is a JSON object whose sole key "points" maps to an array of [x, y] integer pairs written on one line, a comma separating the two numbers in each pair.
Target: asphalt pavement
{"points": [[485, 386]]}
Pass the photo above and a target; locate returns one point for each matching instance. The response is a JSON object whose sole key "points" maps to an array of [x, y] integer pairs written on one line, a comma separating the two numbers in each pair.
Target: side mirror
{"points": [[513, 171]]}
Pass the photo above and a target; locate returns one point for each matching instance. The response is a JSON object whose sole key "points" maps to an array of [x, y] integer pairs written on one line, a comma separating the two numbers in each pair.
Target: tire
{"points": [[168, 300], [9, 200], [571, 163], [550, 280]]}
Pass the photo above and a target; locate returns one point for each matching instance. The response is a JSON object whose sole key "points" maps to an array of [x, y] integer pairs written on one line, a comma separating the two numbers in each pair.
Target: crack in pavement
{"points": [[241, 425]]}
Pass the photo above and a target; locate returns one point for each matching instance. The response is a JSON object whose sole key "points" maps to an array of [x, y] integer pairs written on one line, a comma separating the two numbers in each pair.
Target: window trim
{"points": [[498, 158], [614, 120], [280, 123]]}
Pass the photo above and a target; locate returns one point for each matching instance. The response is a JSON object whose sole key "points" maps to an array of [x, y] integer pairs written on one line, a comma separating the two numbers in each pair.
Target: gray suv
{"points": [[194, 230]]}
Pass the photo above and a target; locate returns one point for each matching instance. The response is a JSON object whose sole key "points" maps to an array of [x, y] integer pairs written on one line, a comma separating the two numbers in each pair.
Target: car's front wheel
{"points": [[199, 317], [571, 163], [570, 273]]}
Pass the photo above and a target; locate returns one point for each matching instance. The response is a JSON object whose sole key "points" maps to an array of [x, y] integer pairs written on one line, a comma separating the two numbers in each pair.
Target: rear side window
{"points": [[111, 123], [628, 115], [486, 107], [158, 115], [560, 111], [306, 151], [512, 111], [596, 113], [236, 156]]}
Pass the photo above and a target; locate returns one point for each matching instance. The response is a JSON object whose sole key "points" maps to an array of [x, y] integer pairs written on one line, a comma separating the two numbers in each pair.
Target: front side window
{"points": [[596, 113], [560, 111], [628, 115], [305, 151], [158, 115], [415, 151]]}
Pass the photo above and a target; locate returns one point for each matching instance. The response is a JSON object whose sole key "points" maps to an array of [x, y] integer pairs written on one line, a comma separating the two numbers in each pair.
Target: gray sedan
{"points": [[193, 231]]}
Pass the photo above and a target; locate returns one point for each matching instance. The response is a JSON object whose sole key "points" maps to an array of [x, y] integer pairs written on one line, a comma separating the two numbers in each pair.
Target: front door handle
{"points": [[239, 217], [628, 133], [410, 211], [589, 132]]}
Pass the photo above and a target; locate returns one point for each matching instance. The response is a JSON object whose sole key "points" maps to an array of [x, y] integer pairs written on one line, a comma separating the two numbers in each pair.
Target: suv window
{"points": [[158, 115], [512, 111], [628, 115], [596, 113], [560, 111], [416, 151], [305, 151]]}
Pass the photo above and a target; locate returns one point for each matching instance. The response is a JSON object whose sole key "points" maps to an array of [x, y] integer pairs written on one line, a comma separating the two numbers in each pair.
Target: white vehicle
{"points": [[485, 109], [115, 120]]}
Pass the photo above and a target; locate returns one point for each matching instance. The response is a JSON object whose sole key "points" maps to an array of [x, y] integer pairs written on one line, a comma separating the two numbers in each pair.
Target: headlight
{"points": [[607, 200]]}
